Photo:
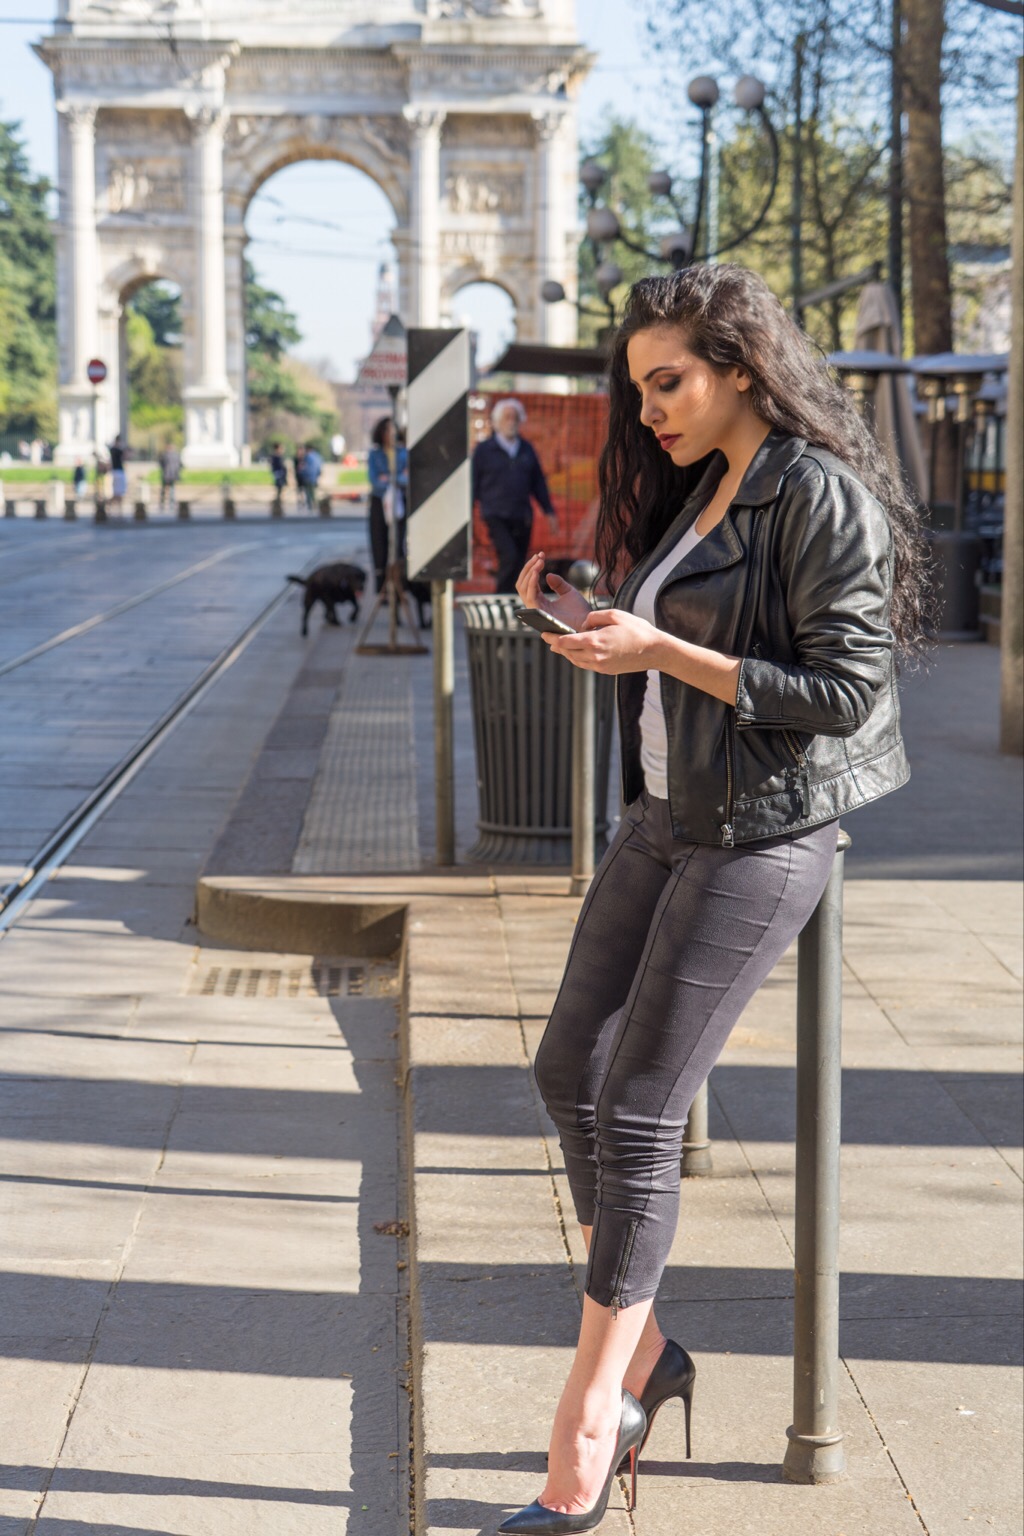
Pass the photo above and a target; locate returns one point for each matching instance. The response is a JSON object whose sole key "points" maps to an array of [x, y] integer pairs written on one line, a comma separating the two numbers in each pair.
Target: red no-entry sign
{"points": [[96, 371]]}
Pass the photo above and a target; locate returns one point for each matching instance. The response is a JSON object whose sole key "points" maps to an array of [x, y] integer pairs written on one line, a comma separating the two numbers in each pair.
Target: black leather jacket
{"points": [[796, 580]]}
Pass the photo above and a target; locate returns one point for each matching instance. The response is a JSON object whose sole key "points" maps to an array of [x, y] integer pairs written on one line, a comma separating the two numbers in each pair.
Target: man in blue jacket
{"points": [[507, 480]]}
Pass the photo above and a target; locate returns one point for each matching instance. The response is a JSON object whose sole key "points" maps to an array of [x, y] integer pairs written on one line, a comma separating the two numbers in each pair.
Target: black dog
{"points": [[331, 584], [419, 591]]}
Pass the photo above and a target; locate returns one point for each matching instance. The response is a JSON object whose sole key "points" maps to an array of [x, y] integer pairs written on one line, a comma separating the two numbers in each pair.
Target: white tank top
{"points": [[653, 737]]}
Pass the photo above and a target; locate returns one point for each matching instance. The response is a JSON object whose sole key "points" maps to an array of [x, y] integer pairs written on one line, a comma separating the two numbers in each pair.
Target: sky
{"points": [[319, 230]]}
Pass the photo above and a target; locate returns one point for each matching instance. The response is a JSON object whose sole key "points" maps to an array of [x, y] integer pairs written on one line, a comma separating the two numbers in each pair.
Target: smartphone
{"points": [[543, 623]]}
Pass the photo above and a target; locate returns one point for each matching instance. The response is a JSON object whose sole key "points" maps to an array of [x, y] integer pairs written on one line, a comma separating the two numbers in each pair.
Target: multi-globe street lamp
{"points": [[682, 245]]}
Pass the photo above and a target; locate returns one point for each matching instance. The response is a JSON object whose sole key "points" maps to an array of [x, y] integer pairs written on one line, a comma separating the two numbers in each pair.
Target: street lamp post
{"points": [[684, 244]]}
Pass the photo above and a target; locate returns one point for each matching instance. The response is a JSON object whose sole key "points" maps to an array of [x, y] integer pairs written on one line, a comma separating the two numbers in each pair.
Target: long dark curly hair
{"points": [[731, 318]]}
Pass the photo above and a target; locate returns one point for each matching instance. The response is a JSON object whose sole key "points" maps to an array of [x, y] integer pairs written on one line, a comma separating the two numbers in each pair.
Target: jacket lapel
{"points": [[716, 550]]}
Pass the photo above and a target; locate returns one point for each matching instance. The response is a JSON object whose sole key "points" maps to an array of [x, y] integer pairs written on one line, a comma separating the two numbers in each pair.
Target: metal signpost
{"points": [[440, 507], [386, 365]]}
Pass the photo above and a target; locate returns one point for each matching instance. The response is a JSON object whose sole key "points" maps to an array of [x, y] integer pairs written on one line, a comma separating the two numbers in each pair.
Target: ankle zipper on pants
{"points": [[620, 1277]]}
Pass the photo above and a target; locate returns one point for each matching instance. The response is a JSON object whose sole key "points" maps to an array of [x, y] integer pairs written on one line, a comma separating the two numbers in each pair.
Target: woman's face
{"points": [[386, 436], [691, 407]]}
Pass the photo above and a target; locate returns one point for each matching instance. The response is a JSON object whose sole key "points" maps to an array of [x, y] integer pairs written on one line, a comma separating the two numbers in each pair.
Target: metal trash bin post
{"points": [[815, 1450], [522, 726]]}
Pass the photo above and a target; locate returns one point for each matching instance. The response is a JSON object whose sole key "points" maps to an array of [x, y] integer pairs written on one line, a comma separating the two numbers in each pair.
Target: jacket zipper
{"points": [[620, 1278], [728, 838]]}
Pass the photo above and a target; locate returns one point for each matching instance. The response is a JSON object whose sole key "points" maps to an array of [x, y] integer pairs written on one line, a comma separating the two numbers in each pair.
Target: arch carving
{"points": [[256, 147], [148, 265], [461, 111]]}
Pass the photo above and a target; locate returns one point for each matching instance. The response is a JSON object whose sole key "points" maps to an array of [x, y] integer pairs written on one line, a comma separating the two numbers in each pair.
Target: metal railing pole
{"points": [[696, 1153], [815, 1451], [582, 781]]}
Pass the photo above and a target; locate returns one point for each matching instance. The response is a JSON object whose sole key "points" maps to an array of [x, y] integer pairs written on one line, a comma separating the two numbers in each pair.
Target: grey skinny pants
{"points": [[673, 940]]}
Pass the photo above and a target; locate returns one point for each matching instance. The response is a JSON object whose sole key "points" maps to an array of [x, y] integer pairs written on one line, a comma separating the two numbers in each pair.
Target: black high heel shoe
{"points": [[537, 1520], [673, 1376]]}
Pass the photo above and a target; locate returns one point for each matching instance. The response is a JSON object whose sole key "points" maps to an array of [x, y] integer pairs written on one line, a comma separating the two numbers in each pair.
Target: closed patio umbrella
{"points": [[878, 330]]}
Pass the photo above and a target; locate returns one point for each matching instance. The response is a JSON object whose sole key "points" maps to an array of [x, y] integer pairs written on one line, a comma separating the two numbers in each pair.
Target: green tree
{"points": [[278, 405], [160, 304], [154, 378], [963, 47], [270, 327], [28, 353]]}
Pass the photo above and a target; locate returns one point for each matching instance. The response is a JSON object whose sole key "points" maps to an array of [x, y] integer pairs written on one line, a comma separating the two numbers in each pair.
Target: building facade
{"points": [[172, 117]]}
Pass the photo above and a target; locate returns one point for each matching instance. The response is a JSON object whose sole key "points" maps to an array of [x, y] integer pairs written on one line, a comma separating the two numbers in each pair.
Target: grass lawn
{"points": [[33, 474], [43, 474], [259, 476]]}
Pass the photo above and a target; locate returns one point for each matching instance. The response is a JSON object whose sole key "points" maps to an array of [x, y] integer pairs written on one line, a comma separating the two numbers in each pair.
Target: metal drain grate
{"points": [[321, 978]]}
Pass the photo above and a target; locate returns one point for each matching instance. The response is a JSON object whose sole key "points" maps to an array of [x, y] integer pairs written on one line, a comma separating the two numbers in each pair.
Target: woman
{"points": [[765, 559], [378, 469]]}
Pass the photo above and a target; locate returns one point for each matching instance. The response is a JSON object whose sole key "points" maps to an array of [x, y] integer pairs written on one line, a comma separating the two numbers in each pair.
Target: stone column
{"points": [[425, 215], [80, 404], [235, 240], [209, 417]]}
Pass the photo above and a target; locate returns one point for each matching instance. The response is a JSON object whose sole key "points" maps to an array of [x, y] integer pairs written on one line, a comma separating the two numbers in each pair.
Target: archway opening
{"points": [[488, 311], [319, 233], [150, 339]]}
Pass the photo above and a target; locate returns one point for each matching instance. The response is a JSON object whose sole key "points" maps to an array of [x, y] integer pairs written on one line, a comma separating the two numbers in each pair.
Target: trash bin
{"points": [[522, 724]]}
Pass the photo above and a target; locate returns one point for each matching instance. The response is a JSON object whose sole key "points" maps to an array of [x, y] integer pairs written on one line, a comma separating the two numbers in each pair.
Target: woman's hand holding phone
{"points": [[568, 605]]}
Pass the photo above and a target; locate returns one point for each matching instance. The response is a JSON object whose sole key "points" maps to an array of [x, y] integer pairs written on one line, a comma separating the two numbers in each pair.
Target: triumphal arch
{"points": [[172, 113]]}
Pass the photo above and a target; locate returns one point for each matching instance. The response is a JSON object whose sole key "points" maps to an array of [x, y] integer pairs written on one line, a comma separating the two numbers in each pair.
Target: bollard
{"points": [[582, 781], [442, 619], [695, 1160], [141, 504], [57, 498], [100, 515], [227, 500], [277, 506], [40, 506], [583, 576], [815, 1451], [10, 509], [324, 506], [70, 509], [184, 511]]}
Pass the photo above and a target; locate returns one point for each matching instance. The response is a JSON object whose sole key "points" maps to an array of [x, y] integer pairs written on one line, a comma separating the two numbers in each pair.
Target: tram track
{"points": [[17, 893], [77, 630]]}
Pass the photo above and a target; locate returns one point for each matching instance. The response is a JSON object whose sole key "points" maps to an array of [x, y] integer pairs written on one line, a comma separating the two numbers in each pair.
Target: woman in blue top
{"points": [[378, 468]]}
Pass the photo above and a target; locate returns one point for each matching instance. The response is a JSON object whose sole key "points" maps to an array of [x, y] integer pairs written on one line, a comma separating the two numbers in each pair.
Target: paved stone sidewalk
{"points": [[931, 1319], [202, 1330], [931, 1165]]}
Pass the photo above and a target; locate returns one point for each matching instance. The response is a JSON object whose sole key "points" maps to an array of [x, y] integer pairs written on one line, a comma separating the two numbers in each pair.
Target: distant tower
{"points": [[385, 306]]}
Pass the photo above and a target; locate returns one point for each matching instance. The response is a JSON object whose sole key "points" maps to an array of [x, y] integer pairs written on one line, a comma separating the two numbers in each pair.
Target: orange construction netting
{"points": [[568, 432]]}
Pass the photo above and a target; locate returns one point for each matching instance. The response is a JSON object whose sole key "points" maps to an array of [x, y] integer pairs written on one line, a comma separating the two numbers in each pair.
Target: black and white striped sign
{"points": [[438, 547]]}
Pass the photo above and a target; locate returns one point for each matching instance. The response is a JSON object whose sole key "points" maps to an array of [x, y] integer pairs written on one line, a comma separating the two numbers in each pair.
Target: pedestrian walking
{"points": [[119, 480], [170, 474], [309, 474], [298, 458], [278, 470], [78, 478], [766, 564], [507, 479], [387, 504]]}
